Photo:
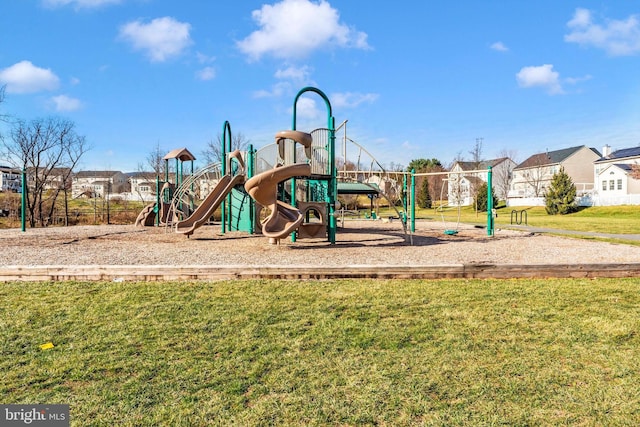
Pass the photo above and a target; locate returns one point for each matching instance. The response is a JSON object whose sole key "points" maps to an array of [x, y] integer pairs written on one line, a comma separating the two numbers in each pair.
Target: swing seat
{"points": [[451, 232]]}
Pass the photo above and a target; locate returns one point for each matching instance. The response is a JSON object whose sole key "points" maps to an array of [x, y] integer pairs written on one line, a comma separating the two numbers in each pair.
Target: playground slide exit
{"points": [[204, 211], [263, 188]]}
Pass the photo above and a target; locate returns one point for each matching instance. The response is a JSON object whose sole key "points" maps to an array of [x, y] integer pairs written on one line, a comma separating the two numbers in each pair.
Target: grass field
{"points": [[339, 352], [605, 219]]}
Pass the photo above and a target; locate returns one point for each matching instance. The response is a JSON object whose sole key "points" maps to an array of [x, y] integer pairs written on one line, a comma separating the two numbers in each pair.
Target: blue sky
{"points": [[414, 79]]}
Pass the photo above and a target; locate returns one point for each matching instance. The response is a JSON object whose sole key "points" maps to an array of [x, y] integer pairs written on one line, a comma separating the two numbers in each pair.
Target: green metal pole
{"points": [[23, 201], [294, 235], [333, 181], [413, 198], [405, 197], [252, 203], [226, 202], [489, 203], [158, 199]]}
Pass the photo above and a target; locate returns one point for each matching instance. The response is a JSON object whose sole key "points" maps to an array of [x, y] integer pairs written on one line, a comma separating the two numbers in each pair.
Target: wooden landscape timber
{"points": [[304, 272]]}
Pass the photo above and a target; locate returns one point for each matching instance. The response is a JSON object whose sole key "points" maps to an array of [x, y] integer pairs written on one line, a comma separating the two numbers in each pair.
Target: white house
{"points": [[143, 183], [10, 179], [465, 177], [98, 183], [614, 177], [533, 176]]}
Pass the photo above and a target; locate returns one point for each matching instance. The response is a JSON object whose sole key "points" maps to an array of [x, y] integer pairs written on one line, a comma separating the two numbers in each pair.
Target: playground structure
{"points": [[296, 186], [158, 212], [288, 188]]}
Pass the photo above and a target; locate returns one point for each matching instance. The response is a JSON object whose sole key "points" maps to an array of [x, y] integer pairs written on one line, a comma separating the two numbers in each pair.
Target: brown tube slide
{"points": [[284, 218]]}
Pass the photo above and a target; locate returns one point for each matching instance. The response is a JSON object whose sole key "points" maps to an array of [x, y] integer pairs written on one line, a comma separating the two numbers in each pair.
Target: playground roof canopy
{"points": [[357, 188], [181, 154]]}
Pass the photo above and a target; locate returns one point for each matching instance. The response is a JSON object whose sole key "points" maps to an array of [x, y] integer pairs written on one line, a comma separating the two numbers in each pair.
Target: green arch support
{"points": [[332, 180], [226, 148]]}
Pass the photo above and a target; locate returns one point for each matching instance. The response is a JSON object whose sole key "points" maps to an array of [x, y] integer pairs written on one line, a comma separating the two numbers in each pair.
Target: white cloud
{"points": [[161, 39], [299, 75], [540, 76], [64, 103], [581, 18], [576, 80], [352, 100], [500, 47], [80, 4], [616, 37], [277, 90], [295, 28], [289, 77], [24, 77], [204, 59], [207, 73], [75, 81], [406, 145], [306, 108]]}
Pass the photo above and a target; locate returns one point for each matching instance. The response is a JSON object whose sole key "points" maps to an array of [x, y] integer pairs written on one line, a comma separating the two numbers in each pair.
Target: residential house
{"points": [[49, 179], [98, 183], [143, 183], [10, 179], [465, 177], [533, 176], [616, 182]]}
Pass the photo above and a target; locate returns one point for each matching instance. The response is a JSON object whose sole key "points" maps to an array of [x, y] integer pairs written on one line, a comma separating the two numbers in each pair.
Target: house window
{"points": [[612, 185], [604, 185], [619, 184]]}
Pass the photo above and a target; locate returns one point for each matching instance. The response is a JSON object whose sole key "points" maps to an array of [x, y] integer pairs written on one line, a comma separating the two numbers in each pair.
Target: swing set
{"points": [[447, 207]]}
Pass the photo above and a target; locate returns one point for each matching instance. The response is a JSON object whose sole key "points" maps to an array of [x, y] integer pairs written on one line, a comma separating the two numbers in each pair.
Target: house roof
{"points": [[96, 174], [52, 171], [474, 180], [468, 166], [551, 157], [142, 175], [625, 167], [9, 169], [621, 154]]}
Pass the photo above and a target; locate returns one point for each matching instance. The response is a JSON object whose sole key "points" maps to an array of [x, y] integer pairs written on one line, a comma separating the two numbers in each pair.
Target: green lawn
{"points": [[335, 352], [609, 219]]}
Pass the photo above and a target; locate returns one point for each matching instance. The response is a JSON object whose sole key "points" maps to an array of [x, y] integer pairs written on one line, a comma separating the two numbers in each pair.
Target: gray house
{"points": [[533, 176]]}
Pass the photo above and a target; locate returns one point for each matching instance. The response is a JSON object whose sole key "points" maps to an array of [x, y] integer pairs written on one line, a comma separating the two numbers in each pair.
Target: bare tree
{"points": [[635, 171], [49, 150], [3, 117], [476, 154], [457, 158], [155, 160], [395, 167], [213, 152], [476, 159], [537, 173], [504, 175]]}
